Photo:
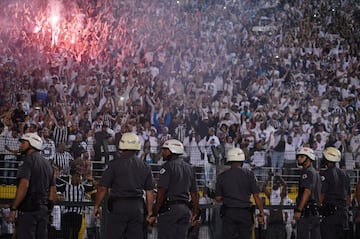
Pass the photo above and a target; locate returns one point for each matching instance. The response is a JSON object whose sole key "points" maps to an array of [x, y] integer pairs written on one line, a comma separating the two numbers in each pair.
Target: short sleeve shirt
{"points": [[178, 178], [38, 171], [310, 179], [236, 185], [127, 176], [335, 186]]}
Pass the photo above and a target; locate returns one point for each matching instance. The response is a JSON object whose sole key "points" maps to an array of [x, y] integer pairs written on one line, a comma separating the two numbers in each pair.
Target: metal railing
{"points": [[206, 177]]}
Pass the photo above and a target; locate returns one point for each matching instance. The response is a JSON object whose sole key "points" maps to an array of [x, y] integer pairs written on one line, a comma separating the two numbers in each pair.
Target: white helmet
{"points": [[34, 140], [129, 141], [332, 154], [175, 146], [235, 155], [306, 151]]}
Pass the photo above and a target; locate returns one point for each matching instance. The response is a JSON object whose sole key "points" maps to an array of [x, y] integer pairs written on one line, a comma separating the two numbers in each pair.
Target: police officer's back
{"points": [[306, 212], [35, 191], [234, 188], [176, 181], [128, 177], [335, 197]]}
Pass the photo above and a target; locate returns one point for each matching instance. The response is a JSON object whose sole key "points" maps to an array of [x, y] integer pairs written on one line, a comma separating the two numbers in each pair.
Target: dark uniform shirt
{"points": [[178, 177], [236, 185], [127, 177], [310, 179], [40, 174], [335, 186]]}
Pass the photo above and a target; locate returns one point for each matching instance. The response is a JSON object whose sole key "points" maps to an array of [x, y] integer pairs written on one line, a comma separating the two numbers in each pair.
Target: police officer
{"points": [[176, 181], [306, 212], [234, 188], [335, 197], [35, 191], [128, 177]]}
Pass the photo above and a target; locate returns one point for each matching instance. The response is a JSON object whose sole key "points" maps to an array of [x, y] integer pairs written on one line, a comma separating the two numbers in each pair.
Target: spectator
{"points": [[78, 146], [62, 159], [12, 148], [60, 132], [276, 196], [278, 151], [49, 147], [259, 161], [212, 142], [72, 215], [18, 115], [195, 148], [6, 227], [289, 157], [288, 217]]}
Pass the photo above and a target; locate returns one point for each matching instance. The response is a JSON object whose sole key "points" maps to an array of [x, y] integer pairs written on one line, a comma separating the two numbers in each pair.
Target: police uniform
{"points": [[33, 211], [308, 226], [128, 177], [178, 179], [335, 190], [235, 186]]}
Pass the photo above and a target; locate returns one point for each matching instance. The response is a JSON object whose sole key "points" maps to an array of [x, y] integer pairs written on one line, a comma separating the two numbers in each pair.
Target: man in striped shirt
{"points": [[60, 132], [62, 159], [72, 215]]}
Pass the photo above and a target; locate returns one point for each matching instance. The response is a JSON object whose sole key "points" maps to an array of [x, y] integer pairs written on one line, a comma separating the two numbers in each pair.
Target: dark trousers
{"points": [[126, 220], [335, 226], [308, 227], [174, 223], [71, 225], [33, 225], [237, 223], [276, 231]]}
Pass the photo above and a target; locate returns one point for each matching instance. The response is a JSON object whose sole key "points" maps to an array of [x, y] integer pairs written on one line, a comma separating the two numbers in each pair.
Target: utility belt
{"points": [[112, 200], [224, 209], [329, 209], [33, 202], [166, 205], [310, 209]]}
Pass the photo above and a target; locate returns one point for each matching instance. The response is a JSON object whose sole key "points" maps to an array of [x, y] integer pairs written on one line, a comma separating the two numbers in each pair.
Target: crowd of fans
{"points": [[213, 74]]}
